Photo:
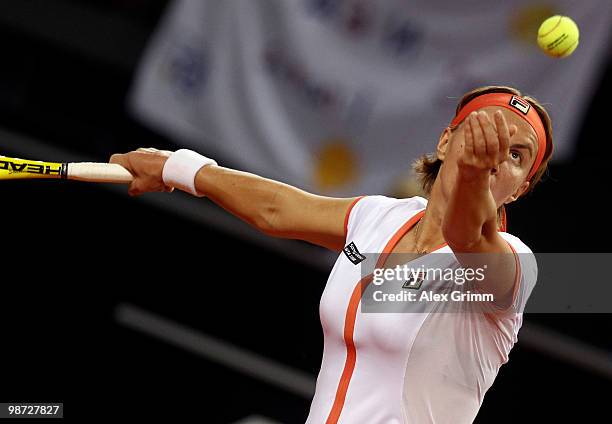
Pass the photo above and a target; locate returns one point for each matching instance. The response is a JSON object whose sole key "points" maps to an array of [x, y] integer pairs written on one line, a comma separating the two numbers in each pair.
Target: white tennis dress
{"points": [[409, 368]]}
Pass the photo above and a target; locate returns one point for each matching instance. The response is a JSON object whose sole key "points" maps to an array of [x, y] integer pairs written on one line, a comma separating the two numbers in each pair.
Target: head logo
{"points": [[520, 104]]}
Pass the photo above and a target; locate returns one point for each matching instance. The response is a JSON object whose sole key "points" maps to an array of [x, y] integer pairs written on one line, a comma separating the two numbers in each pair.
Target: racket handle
{"points": [[98, 172]]}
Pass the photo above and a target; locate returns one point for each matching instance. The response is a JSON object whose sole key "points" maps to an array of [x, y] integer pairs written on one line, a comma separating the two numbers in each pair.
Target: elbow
{"points": [[265, 208], [463, 246], [461, 239], [267, 220]]}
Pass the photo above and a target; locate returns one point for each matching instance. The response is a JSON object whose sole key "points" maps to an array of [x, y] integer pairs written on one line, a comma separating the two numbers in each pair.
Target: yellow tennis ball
{"points": [[558, 36]]}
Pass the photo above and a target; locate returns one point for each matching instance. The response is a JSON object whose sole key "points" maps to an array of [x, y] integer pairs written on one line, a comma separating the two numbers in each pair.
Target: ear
{"points": [[518, 193], [443, 143]]}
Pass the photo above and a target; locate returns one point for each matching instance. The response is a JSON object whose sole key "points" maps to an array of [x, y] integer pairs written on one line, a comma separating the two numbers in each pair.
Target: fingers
{"points": [[144, 164], [468, 138], [480, 147], [487, 140], [139, 186], [135, 187], [143, 185], [513, 130], [491, 141], [120, 159], [504, 135], [147, 150]]}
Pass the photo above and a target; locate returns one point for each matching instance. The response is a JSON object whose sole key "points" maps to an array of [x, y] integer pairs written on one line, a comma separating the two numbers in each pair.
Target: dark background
{"points": [[72, 252]]}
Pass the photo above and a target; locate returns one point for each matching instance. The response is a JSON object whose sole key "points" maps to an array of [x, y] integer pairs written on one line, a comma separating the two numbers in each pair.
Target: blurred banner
{"points": [[339, 96]]}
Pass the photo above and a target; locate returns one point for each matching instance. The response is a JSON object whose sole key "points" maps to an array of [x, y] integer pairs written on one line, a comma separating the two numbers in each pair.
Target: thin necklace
{"points": [[416, 238]]}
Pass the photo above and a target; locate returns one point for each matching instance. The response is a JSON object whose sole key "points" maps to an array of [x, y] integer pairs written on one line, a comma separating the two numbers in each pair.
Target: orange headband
{"points": [[519, 106]]}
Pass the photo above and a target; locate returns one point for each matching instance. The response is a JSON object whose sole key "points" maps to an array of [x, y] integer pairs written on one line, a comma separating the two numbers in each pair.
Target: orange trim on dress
{"points": [[517, 265], [351, 316], [348, 212]]}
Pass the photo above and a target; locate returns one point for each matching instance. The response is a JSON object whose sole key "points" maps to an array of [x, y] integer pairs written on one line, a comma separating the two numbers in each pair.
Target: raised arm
{"points": [[274, 208], [470, 222]]}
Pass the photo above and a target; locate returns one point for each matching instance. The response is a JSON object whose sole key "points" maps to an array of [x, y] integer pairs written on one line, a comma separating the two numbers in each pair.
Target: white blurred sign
{"points": [[339, 96]]}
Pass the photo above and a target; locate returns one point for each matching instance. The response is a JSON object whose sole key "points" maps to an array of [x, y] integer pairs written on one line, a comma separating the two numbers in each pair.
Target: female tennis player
{"points": [[412, 368]]}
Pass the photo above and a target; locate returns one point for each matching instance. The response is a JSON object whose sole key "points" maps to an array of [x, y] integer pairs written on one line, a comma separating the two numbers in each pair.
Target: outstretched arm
{"points": [[470, 222], [275, 208], [471, 215]]}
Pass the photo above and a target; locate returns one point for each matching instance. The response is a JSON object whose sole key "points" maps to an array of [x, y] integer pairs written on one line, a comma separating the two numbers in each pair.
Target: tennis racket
{"points": [[19, 169]]}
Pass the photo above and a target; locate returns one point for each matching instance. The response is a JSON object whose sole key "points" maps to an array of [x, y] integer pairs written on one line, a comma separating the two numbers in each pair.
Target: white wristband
{"points": [[181, 168]]}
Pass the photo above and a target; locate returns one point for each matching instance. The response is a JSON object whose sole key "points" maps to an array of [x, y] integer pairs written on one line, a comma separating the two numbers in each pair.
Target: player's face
{"points": [[508, 179]]}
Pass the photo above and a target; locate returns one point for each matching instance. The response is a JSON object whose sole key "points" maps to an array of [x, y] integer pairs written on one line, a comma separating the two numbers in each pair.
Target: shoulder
{"points": [[525, 278], [371, 210], [525, 256], [516, 243], [376, 205], [378, 202]]}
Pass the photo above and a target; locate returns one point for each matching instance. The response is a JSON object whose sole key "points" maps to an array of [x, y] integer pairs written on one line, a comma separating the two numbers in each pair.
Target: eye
{"points": [[516, 155]]}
